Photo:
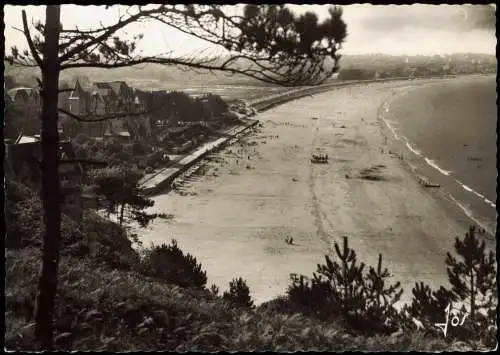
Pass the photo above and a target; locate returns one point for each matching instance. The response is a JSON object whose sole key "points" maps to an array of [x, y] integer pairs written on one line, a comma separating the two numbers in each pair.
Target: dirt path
{"points": [[235, 214]]}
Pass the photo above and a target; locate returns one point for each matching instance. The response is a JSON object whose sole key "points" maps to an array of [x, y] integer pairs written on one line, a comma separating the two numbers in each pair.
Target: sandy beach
{"points": [[235, 214]]}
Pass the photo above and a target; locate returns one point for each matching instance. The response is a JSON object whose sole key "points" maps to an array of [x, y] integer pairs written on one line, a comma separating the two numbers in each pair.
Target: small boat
{"points": [[319, 158]]}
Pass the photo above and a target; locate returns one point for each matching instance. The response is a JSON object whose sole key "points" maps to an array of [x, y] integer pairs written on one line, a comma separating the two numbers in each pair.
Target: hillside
{"points": [[143, 75], [123, 311], [152, 76]]}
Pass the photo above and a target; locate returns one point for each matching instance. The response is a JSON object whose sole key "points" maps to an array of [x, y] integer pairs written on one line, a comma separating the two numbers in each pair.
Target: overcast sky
{"points": [[391, 29]]}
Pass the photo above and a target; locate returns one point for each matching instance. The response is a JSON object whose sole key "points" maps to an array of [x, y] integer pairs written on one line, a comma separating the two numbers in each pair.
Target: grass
{"points": [[101, 308]]}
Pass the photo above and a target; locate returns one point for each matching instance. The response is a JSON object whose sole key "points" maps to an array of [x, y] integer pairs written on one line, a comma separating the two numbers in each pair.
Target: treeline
{"points": [[366, 67], [177, 106], [157, 75]]}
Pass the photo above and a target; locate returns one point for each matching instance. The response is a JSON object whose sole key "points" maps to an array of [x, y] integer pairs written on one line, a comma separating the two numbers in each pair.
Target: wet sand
{"points": [[235, 214]]}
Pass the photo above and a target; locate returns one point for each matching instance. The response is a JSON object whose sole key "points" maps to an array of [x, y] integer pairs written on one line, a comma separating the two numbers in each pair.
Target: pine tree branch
{"points": [[108, 31], [31, 45]]}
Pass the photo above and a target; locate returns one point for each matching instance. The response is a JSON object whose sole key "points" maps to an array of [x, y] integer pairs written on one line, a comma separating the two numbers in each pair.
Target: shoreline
{"points": [[427, 172], [234, 217], [262, 104]]}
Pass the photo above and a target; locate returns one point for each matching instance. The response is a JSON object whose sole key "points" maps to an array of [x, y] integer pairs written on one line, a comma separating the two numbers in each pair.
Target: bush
{"points": [[121, 157], [170, 264], [108, 243], [24, 223], [278, 305], [139, 149], [238, 294], [215, 104], [25, 226], [341, 290], [154, 159], [100, 239], [16, 191], [473, 280]]}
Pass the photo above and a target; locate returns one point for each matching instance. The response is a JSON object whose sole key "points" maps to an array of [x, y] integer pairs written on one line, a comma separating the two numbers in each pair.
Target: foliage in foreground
{"points": [[105, 308], [364, 302], [238, 294], [95, 237], [342, 290], [99, 308], [472, 277], [168, 263]]}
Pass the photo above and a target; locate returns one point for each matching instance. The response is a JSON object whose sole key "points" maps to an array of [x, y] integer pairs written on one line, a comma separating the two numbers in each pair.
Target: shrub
{"points": [[473, 283], [170, 264], [108, 243], [238, 294], [16, 191], [139, 149], [24, 222], [214, 290], [101, 239], [155, 159], [25, 227], [341, 289], [380, 314], [215, 104], [279, 304], [121, 157]]}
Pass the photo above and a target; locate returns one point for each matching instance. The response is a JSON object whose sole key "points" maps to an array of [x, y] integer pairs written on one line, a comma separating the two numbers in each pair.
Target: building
{"points": [[106, 99], [23, 109], [22, 163]]}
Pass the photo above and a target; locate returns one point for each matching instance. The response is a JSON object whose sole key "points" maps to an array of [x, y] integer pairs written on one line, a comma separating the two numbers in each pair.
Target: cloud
{"points": [[391, 29], [419, 29], [432, 17], [481, 17]]}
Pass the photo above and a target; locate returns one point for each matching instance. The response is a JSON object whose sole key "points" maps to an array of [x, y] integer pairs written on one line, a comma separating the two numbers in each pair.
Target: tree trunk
{"points": [[47, 287], [472, 299]]}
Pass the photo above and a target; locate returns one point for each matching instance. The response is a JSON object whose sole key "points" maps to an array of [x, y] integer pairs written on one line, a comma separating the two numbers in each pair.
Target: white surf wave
{"points": [[415, 151], [481, 196], [432, 163], [490, 203], [469, 214], [467, 188], [391, 129]]}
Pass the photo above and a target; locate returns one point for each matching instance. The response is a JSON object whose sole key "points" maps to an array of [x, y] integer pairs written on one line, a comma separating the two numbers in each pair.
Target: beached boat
{"points": [[319, 158]]}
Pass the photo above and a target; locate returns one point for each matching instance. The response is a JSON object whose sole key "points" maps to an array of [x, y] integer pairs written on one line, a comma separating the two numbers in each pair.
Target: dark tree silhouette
{"points": [[473, 275], [267, 42], [238, 293]]}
